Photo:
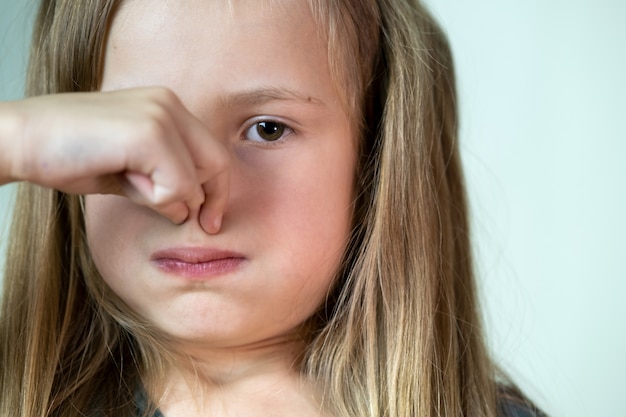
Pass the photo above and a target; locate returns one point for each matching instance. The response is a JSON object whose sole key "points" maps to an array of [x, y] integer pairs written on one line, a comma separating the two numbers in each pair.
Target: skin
{"points": [[284, 208], [139, 143]]}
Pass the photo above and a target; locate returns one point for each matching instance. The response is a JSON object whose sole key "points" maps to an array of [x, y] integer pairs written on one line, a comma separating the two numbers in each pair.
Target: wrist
{"points": [[9, 136]]}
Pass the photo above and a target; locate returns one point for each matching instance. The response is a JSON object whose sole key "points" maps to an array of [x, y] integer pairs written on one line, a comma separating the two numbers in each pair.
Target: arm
{"points": [[140, 143]]}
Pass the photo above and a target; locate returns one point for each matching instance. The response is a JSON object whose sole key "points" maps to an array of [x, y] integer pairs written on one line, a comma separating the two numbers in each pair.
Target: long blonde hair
{"points": [[399, 336]]}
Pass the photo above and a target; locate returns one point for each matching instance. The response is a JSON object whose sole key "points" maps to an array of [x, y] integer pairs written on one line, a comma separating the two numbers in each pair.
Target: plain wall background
{"points": [[542, 88], [16, 21]]}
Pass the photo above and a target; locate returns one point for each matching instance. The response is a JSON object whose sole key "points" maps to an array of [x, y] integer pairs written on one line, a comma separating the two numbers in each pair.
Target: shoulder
{"points": [[511, 403]]}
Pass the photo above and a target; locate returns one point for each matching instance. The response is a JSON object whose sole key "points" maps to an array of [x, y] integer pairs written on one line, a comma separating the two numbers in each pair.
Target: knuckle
{"points": [[157, 111], [163, 96], [155, 127]]}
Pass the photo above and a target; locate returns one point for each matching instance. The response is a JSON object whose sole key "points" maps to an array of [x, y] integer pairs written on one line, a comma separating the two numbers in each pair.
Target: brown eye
{"points": [[266, 131]]}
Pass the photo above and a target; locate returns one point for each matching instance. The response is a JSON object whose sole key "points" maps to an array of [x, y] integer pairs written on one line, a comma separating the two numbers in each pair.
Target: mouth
{"points": [[197, 263]]}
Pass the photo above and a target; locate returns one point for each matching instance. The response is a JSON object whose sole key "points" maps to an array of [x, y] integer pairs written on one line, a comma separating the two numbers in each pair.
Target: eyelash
{"points": [[250, 129]]}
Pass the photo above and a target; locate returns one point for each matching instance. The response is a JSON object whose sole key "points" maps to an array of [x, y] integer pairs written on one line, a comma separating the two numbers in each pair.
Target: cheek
{"points": [[111, 223], [300, 200]]}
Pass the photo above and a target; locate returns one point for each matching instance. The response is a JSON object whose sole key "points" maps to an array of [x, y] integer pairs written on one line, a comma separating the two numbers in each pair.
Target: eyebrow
{"points": [[263, 95]]}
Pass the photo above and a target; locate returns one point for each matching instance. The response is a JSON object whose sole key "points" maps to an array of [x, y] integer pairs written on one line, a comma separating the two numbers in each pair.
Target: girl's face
{"points": [[234, 64]]}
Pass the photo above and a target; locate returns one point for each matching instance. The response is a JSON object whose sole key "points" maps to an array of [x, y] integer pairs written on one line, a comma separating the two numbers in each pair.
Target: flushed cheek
{"points": [[307, 217], [302, 195]]}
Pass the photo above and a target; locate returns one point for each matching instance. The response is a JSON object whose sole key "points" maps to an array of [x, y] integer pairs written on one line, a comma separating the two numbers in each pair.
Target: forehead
{"points": [[160, 13], [217, 44], [217, 21]]}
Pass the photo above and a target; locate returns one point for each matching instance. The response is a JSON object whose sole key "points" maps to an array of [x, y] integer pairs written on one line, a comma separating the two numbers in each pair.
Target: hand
{"points": [[140, 143]]}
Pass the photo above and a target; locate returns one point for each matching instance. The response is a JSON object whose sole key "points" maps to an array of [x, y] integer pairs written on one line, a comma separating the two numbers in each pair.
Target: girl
{"points": [[240, 209]]}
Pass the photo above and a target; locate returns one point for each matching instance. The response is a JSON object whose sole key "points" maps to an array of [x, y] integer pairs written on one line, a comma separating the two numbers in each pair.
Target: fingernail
{"points": [[211, 225], [160, 193], [217, 224]]}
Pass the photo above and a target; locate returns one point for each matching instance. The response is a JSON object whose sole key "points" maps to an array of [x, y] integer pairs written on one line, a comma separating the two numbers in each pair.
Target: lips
{"points": [[197, 263]]}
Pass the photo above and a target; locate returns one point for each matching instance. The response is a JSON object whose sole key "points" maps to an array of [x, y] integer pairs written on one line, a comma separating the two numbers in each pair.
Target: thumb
{"points": [[212, 211]]}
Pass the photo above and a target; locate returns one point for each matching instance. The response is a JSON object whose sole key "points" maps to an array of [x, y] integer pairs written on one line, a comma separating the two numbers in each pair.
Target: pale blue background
{"points": [[543, 101]]}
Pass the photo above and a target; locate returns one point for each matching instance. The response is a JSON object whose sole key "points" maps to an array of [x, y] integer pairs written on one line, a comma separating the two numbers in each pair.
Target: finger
{"points": [[177, 212], [209, 154], [139, 188], [212, 162], [212, 211], [167, 168], [140, 183]]}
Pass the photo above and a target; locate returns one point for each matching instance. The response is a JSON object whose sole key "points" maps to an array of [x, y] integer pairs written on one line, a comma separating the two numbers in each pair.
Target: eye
{"points": [[267, 131]]}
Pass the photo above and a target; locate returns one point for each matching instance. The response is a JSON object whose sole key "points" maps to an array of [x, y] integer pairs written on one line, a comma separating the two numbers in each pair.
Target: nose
{"points": [[214, 206], [214, 179]]}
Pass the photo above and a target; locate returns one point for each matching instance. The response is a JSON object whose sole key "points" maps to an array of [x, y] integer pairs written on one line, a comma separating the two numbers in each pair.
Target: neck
{"points": [[239, 381], [226, 366]]}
